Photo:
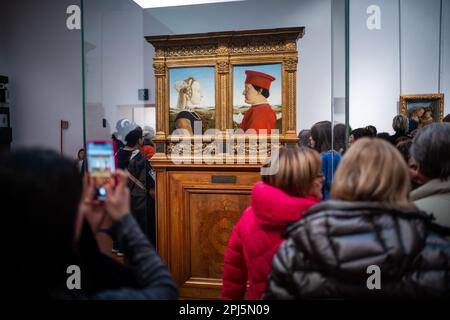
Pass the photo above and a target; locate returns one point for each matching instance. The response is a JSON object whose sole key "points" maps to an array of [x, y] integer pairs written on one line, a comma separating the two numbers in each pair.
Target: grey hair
{"points": [[431, 150], [400, 123]]}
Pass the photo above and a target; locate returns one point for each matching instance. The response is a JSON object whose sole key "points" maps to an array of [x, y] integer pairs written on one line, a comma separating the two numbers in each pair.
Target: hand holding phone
{"points": [[117, 203], [101, 164], [91, 209]]}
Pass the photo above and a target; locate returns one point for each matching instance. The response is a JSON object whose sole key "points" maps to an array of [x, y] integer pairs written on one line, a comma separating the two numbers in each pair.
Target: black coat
{"points": [[145, 276], [142, 204], [329, 250]]}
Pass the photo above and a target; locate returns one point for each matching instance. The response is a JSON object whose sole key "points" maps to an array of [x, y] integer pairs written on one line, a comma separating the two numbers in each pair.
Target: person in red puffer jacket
{"points": [[277, 201]]}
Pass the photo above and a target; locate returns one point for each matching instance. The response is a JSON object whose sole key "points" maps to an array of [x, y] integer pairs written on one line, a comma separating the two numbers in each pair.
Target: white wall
{"points": [[338, 55], [118, 63], [375, 60], [114, 43], [45, 75], [314, 67], [374, 66], [152, 26], [420, 46]]}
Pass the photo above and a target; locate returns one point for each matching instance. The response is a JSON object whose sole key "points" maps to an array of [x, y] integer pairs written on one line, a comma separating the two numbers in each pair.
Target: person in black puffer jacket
{"points": [[331, 250]]}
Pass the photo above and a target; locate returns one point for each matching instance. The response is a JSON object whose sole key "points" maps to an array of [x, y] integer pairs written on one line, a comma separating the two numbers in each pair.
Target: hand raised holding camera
{"points": [[117, 201], [92, 209]]}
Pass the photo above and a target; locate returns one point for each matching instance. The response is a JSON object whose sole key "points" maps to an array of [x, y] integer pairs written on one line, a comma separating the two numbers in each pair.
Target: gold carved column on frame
{"points": [[290, 72], [160, 92], [223, 87]]}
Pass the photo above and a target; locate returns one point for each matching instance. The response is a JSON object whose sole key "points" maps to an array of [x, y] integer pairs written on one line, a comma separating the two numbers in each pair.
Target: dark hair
{"points": [[372, 130], [339, 137], [403, 147], [413, 133], [321, 134], [401, 139], [446, 118], [133, 137], [431, 150], [148, 142], [78, 154], [360, 132], [43, 190], [384, 136], [303, 137], [264, 92]]}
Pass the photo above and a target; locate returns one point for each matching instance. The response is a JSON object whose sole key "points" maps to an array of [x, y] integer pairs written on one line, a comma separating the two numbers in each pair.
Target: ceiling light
{"points": [[146, 4]]}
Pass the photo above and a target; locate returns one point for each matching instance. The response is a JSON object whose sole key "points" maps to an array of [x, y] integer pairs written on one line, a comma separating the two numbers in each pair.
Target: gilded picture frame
{"points": [[226, 51], [422, 109]]}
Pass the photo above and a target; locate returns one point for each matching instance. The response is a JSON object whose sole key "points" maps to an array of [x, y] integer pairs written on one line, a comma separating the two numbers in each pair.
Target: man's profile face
{"points": [[250, 94]]}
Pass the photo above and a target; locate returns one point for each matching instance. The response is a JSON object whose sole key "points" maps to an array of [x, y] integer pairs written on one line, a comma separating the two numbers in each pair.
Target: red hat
{"points": [[259, 79]]}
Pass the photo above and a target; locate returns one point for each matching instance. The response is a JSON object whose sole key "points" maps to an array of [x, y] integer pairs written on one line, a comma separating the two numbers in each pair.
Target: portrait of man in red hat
{"points": [[257, 90]]}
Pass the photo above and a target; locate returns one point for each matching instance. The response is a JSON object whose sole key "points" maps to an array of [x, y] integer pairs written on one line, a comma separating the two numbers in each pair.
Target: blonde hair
{"points": [[297, 169], [372, 170]]}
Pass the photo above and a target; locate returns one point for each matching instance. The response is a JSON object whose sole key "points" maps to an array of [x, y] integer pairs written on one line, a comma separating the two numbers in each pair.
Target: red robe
{"points": [[260, 116]]}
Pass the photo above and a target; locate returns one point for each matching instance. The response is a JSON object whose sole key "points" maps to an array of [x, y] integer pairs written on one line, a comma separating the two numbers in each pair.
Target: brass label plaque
{"points": [[223, 179]]}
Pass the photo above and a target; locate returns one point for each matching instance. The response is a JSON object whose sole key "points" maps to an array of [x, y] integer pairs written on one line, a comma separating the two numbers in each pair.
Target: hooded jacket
{"points": [[434, 198], [339, 249], [256, 238]]}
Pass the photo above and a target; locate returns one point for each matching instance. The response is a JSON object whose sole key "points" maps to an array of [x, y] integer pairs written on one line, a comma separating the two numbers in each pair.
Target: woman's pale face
{"points": [[250, 94], [197, 94], [351, 139]]}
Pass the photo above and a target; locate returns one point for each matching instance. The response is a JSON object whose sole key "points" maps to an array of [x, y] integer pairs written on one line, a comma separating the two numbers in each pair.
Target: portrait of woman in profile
{"points": [[189, 96]]}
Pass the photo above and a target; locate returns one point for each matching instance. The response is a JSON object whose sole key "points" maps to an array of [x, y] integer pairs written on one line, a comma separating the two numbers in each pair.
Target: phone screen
{"points": [[101, 165]]}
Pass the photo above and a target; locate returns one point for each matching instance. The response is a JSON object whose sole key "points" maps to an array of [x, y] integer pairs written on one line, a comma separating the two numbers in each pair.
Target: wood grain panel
{"points": [[195, 221], [212, 217]]}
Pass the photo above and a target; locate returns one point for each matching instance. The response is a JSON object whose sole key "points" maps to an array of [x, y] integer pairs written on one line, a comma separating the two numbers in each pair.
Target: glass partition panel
{"points": [[397, 56]]}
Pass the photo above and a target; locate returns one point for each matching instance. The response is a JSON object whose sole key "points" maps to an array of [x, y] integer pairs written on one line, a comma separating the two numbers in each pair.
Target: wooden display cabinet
{"points": [[203, 186]]}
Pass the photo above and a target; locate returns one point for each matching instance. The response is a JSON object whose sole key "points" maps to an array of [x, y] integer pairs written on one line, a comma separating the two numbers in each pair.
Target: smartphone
{"points": [[101, 164]]}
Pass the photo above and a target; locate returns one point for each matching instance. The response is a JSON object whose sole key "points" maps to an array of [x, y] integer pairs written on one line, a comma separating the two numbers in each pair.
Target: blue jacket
{"points": [[330, 161]]}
